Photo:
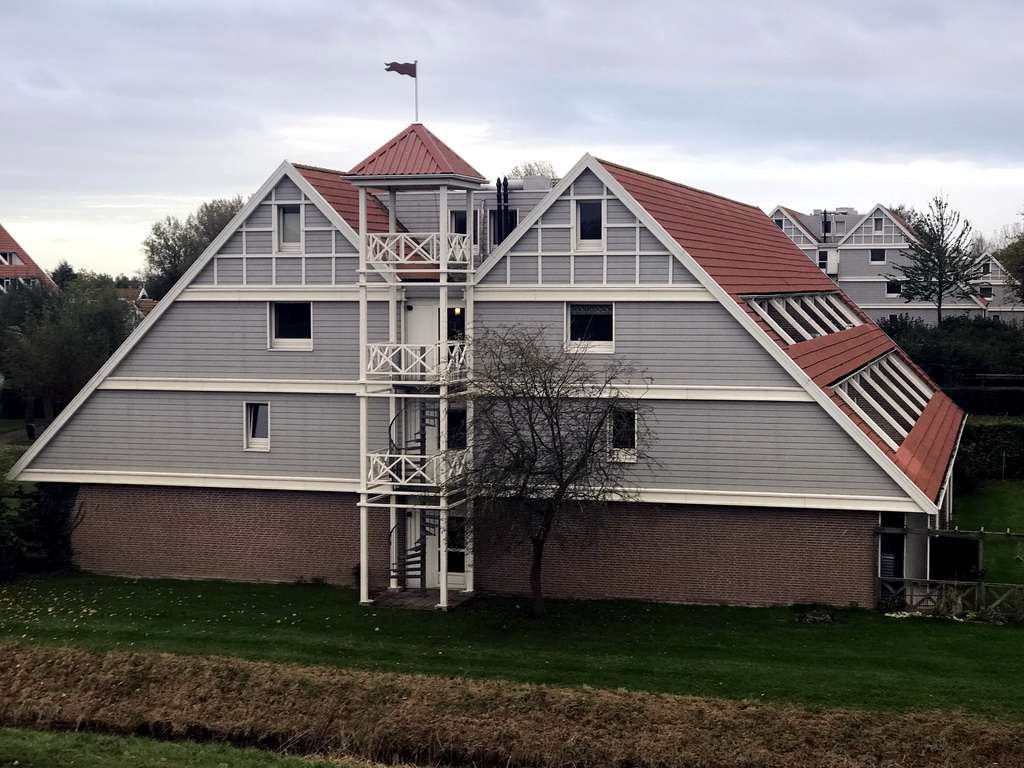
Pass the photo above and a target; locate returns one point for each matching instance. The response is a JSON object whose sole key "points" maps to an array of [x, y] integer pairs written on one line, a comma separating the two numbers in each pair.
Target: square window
{"points": [[623, 435], [893, 288], [502, 228], [985, 291], [291, 325], [257, 427], [589, 224], [289, 228], [591, 328], [878, 255]]}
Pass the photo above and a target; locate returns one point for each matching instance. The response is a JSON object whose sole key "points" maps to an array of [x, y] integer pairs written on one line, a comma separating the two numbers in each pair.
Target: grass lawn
{"points": [[862, 661], [997, 506], [32, 749]]}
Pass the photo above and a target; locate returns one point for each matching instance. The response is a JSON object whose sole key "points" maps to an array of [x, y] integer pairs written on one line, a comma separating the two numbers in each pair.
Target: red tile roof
{"points": [[343, 197], [28, 269], [746, 253], [735, 243], [415, 151]]}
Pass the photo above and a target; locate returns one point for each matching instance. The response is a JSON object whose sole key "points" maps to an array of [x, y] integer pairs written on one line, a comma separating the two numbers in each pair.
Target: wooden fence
{"points": [[950, 597]]}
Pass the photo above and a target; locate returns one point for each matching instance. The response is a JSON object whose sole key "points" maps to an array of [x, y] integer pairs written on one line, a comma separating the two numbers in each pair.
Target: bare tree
{"points": [[943, 261], [533, 168], [554, 435]]}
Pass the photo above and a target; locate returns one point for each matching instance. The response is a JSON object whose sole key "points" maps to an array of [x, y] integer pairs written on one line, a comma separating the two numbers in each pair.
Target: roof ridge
{"points": [[675, 183], [307, 167]]}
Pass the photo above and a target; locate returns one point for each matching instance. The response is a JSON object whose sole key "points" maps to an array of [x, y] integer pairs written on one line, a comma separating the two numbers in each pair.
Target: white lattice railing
{"points": [[412, 362], [412, 469], [410, 248]]}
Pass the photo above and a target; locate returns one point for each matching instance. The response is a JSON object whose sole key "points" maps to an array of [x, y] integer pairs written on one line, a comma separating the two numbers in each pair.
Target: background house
{"points": [[16, 267], [282, 413], [861, 252]]}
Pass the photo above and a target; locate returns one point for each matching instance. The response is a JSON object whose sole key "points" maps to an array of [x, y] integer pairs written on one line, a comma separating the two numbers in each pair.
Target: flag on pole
{"points": [[402, 69]]}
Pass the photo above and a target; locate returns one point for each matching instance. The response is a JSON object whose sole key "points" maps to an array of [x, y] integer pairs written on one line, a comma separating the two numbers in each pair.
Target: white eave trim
{"points": [[264, 482], [605, 292]]}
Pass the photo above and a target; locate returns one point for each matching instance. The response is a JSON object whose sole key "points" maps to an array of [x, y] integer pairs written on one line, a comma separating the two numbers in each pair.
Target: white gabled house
{"points": [[282, 412]]}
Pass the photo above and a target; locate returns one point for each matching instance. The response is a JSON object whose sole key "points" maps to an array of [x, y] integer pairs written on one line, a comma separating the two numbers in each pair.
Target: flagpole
{"points": [[416, 78]]}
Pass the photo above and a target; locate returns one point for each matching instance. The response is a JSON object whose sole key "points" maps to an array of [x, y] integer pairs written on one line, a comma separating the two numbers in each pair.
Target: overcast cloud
{"points": [[116, 114]]}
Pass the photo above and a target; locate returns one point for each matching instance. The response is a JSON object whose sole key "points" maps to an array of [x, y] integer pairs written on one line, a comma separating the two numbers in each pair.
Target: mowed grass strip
{"points": [[431, 720], [863, 660], [35, 749]]}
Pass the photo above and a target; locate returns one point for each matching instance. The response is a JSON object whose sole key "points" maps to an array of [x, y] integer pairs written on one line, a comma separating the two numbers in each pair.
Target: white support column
{"points": [[469, 505], [442, 420], [393, 310], [392, 214], [442, 567], [364, 512]]}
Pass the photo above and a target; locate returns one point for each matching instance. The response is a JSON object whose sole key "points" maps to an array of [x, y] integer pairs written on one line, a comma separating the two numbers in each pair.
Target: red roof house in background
{"points": [[16, 267]]}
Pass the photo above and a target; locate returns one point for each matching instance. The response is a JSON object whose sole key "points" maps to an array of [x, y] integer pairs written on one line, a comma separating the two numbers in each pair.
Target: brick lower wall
{"points": [[691, 554], [662, 552], [223, 533]]}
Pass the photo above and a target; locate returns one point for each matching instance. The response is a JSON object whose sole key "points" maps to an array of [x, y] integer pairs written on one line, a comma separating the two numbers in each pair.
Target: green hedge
{"points": [[992, 449], [35, 529]]}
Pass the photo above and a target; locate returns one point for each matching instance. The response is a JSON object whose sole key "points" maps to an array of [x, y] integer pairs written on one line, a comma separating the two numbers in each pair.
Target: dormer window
{"points": [[888, 396], [804, 316], [289, 229]]}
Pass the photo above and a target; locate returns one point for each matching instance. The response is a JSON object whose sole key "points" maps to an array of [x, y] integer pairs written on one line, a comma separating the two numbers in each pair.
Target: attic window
{"points": [[289, 228], [878, 224], [779, 223], [804, 316], [986, 268], [589, 225], [888, 395]]}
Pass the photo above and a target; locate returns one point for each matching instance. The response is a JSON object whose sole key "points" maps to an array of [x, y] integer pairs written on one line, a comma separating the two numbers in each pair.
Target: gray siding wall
{"points": [[203, 432], [675, 343], [750, 446], [222, 339]]}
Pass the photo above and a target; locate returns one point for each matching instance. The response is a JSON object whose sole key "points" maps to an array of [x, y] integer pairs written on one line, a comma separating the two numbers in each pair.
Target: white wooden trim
{"points": [[162, 384], [592, 293], [825, 502], [259, 482], [292, 293]]}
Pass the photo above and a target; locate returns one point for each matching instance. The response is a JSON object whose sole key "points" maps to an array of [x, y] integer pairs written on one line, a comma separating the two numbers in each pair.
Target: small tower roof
{"points": [[415, 152]]}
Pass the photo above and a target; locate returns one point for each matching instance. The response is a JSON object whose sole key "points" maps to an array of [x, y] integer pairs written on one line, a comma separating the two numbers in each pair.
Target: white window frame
{"points": [[583, 345], [280, 245], [287, 345], [985, 291], [873, 260], [621, 455], [589, 245], [250, 443], [878, 225]]}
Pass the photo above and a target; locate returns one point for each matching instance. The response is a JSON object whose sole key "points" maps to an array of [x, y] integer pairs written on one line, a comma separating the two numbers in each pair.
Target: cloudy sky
{"points": [[116, 113]]}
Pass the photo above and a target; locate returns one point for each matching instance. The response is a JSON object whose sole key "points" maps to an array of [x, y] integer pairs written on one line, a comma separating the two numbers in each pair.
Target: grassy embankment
{"points": [[862, 661]]}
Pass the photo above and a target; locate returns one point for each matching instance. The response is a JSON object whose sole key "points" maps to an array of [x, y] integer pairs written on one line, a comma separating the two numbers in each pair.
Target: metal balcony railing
{"points": [[417, 362], [411, 469], [405, 250]]}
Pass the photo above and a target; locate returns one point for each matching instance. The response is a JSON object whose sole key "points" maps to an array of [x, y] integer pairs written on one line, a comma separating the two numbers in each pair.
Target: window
{"points": [[257, 427], [457, 540], [458, 224], [894, 318], [841, 227], [826, 226], [591, 328], [291, 326], [822, 259], [622, 440], [804, 316], [878, 255], [500, 230], [779, 223], [457, 429], [893, 288], [986, 268], [289, 229], [878, 224], [589, 224], [985, 291], [888, 395]]}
